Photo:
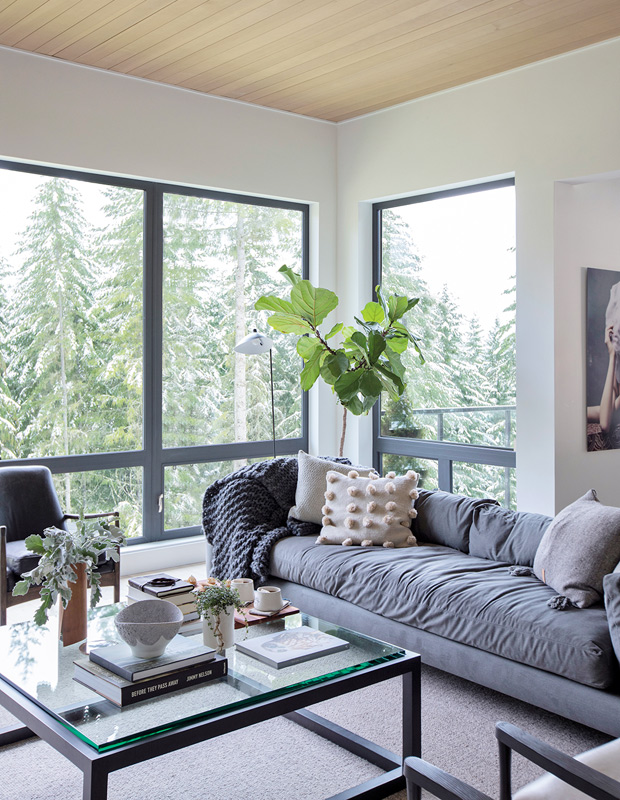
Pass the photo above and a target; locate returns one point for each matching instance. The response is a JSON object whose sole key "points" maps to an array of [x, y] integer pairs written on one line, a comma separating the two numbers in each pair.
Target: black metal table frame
{"points": [[96, 766]]}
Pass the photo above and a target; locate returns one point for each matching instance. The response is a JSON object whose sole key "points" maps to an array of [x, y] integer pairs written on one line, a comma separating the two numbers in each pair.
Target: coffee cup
{"points": [[268, 598], [245, 587]]}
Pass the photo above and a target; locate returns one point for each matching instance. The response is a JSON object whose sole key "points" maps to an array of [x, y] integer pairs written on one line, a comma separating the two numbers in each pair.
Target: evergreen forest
{"points": [[72, 344]]}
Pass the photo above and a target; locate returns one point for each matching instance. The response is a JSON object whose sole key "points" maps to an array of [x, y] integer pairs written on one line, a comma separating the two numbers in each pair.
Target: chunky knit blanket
{"points": [[245, 513]]}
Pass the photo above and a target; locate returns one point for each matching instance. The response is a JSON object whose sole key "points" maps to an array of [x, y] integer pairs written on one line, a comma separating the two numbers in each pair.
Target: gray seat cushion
{"points": [[471, 600]]}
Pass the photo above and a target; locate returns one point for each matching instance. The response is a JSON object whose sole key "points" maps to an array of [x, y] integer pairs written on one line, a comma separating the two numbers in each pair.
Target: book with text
{"points": [[145, 584], [180, 599], [122, 692], [180, 652], [292, 646]]}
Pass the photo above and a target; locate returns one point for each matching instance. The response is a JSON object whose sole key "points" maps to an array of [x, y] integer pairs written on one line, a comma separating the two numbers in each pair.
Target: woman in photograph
{"points": [[605, 413]]}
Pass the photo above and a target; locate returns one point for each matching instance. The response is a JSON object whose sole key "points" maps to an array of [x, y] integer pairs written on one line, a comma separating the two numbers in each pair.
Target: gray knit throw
{"points": [[245, 513]]}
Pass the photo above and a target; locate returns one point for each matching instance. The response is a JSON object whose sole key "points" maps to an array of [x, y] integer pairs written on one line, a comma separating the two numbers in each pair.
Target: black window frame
{"points": [[153, 458], [445, 453]]}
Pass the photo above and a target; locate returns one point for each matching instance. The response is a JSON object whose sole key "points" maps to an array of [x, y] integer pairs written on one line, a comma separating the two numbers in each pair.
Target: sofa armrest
{"points": [[582, 777], [419, 773]]}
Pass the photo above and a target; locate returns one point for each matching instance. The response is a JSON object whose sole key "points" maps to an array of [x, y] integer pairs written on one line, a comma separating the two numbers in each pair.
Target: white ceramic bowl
{"points": [[148, 625]]}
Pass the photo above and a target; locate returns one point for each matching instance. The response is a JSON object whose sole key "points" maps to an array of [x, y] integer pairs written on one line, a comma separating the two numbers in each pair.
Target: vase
{"points": [[73, 620], [218, 630]]}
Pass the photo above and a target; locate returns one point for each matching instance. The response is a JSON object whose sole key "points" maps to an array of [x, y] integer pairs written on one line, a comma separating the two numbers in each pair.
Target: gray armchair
{"points": [[29, 504], [595, 773]]}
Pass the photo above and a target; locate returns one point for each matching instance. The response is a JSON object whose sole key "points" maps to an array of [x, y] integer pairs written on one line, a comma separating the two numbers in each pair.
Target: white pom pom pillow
{"points": [[369, 510]]}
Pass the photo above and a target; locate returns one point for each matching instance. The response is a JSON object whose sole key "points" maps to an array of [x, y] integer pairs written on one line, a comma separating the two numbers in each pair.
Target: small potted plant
{"points": [[216, 603], [67, 561]]}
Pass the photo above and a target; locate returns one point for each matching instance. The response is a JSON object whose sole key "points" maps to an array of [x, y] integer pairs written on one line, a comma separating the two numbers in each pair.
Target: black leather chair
{"points": [[29, 504], [588, 773]]}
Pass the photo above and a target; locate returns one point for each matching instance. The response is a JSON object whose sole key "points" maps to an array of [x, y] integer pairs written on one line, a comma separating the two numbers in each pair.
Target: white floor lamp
{"points": [[254, 343]]}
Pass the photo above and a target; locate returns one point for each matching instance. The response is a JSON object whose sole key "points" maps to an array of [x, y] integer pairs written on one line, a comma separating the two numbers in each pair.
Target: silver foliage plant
{"points": [[59, 551]]}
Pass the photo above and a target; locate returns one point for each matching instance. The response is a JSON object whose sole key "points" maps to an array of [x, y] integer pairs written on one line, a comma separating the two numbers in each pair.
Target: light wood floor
{"points": [[25, 611]]}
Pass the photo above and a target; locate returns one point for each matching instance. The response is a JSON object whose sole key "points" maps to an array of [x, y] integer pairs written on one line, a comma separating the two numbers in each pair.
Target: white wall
{"points": [[587, 234], [66, 115], [552, 121]]}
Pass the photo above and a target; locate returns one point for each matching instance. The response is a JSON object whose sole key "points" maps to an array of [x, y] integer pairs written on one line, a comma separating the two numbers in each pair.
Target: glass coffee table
{"points": [[37, 687]]}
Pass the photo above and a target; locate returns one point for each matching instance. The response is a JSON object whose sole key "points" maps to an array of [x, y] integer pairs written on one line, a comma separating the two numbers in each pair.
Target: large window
{"points": [[455, 424], [120, 305]]}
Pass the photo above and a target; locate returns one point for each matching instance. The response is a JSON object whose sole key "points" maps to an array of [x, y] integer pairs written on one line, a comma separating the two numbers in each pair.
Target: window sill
{"points": [[158, 556]]}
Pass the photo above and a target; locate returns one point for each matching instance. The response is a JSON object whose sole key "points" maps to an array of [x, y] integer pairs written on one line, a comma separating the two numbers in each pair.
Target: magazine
{"points": [[292, 646]]}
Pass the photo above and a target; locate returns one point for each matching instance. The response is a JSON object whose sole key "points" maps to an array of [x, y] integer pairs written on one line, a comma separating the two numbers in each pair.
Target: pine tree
{"points": [[9, 408], [53, 326]]}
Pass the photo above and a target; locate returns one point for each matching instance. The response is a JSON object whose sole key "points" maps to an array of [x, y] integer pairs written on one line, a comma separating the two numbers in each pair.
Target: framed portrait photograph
{"points": [[603, 359]]}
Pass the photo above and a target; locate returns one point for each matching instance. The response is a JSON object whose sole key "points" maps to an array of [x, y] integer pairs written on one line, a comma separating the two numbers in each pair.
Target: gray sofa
{"points": [[453, 600]]}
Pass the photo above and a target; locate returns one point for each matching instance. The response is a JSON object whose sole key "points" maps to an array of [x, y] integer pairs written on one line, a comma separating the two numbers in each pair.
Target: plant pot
{"points": [[218, 631], [73, 620]]}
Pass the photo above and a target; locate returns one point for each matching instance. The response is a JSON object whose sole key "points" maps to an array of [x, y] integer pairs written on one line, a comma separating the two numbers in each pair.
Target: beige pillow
{"points": [[311, 476], [370, 510]]}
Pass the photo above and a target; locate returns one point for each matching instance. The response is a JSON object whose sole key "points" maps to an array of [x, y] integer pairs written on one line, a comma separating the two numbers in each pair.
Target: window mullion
{"points": [[153, 520]]}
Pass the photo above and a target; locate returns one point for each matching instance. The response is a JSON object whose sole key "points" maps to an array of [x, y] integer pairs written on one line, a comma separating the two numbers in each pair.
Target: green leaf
{"points": [[400, 386], [336, 329], [21, 588], [348, 331], [369, 403], [376, 345], [288, 273], [306, 345], [381, 298], [397, 343], [370, 385], [311, 371], [270, 303], [355, 406], [337, 363], [360, 340], [35, 543], [372, 312], [347, 386], [395, 364], [311, 303], [413, 301], [289, 323], [397, 306]]}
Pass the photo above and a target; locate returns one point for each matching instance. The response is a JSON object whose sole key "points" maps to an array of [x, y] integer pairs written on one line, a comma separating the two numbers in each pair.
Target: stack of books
{"points": [[180, 593], [115, 673]]}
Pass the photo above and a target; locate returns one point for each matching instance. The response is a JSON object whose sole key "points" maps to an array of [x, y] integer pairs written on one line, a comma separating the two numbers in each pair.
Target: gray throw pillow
{"points": [[500, 534], [445, 518], [311, 485], [580, 547]]}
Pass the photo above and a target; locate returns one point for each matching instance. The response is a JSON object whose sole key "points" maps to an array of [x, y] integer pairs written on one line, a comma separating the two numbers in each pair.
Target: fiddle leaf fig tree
{"points": [[366, 360]]}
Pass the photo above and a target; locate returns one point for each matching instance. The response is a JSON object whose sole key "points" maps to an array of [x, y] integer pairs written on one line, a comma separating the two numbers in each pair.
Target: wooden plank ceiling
{"points": [[332, 59]]}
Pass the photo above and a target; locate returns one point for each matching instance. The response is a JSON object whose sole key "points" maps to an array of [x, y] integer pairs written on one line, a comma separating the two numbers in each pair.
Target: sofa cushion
{"points": [[370, 510], [445, 518], [467, 599], [311, 482], [503, 535], [611, 589], [580, 547]]}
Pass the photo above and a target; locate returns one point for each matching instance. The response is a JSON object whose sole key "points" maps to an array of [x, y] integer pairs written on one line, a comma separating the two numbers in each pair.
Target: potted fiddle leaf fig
{"points": [[366, 360]]}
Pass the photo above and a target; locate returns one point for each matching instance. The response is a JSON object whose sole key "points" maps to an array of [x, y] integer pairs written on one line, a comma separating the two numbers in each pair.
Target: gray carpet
{"points": [[278, 759]]}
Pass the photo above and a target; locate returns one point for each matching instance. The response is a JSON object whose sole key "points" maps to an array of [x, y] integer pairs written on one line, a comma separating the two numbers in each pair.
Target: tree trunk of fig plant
{"points": [[344, 431]]}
